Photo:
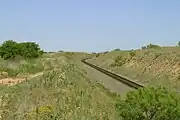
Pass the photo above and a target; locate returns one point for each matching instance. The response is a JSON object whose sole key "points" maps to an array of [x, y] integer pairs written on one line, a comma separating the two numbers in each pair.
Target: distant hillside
{"points": [[149, 66]]}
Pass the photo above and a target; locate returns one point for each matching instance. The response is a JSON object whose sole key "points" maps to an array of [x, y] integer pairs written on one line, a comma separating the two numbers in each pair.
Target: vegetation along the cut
{"points": [[152, 65], [37, 85]]}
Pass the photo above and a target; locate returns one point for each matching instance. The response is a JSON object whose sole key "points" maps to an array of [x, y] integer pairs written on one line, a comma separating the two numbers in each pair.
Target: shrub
{"points": [[119, 61], [150, 104], [117, 49], [29, 50], [152, 46], [97, 54], [179, 43], [132, 53], [10, 49]]}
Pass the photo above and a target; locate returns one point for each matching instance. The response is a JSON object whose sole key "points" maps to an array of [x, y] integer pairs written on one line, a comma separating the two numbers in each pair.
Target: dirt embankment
{"points": [[149, 66]]}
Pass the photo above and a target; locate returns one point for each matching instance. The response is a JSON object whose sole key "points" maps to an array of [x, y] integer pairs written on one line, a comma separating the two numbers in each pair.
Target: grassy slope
{"points": [[22, 68], [148, 66], [64, 93]]}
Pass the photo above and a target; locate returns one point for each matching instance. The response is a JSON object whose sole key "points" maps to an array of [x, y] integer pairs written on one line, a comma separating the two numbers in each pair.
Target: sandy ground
{"points": [[12, 81]]}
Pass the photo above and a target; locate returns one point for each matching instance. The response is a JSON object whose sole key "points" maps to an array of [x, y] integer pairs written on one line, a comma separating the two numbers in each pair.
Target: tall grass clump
{"points": [[16, 68]]}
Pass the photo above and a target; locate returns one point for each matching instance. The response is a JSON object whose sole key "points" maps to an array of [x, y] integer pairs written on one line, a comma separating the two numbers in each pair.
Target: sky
{"points": [[90, 25]]}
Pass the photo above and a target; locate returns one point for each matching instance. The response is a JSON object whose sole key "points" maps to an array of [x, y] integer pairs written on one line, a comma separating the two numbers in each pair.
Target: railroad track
{"points": [[113, 75]]}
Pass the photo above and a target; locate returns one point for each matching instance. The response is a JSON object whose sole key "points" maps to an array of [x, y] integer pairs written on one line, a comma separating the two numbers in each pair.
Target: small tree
{"points": [[9, 49], [29, 50], [179, 43], [117, 49], [153, 46], [150, 104]]}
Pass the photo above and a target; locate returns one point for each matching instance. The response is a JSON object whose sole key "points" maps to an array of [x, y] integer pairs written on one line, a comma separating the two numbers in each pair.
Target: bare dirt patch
{"points": [[13, 81]]}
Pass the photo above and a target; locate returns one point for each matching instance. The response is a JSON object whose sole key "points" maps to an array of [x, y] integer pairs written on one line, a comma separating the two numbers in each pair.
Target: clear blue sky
{"points": [[90, 25]]}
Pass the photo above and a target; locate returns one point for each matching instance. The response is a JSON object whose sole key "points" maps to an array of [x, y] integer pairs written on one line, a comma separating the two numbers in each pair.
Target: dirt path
{"points": [[12, 81], [108, 82]]}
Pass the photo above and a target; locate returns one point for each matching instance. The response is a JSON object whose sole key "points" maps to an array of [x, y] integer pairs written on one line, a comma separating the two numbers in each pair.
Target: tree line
{"points": [[10, 49]]}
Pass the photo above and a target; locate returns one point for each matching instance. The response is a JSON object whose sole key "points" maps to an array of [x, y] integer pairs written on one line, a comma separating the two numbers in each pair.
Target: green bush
{"points": [[10, 49], [152, 46], [117, 49], [179, 43], [150, 104], [29, 50], [119, 61]]}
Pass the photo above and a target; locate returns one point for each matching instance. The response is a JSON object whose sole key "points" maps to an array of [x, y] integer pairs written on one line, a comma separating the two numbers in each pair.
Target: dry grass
{"points": [[159, 66], [62, 92], [24, 68]]}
